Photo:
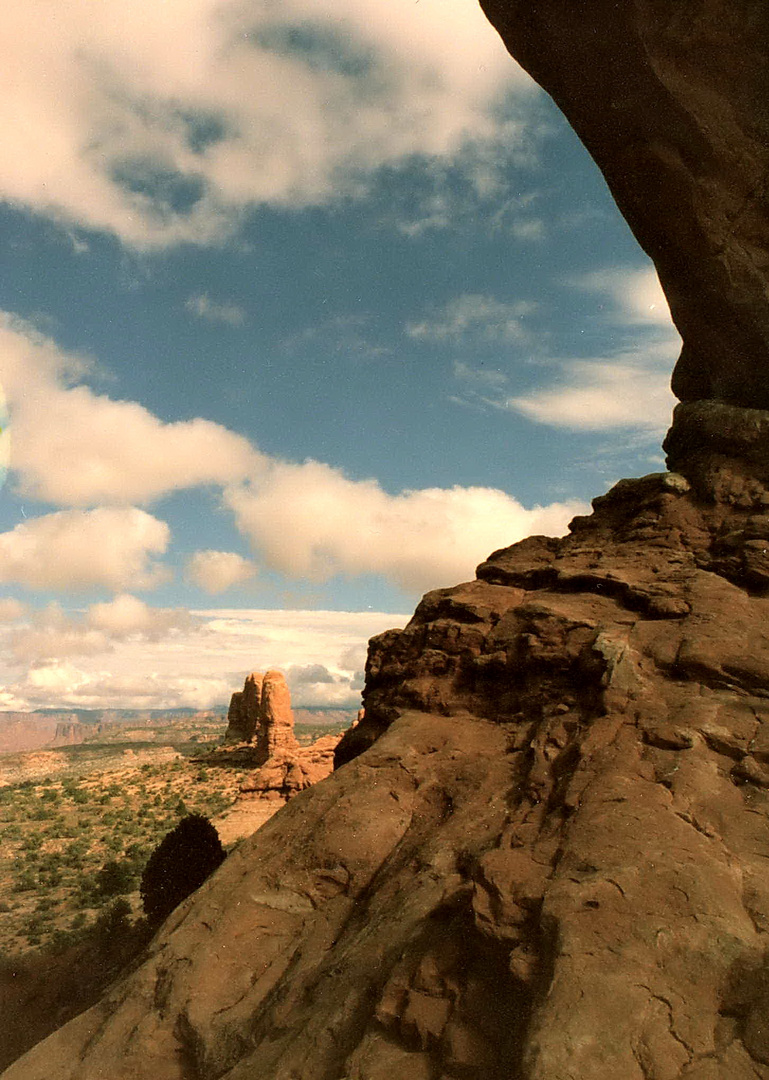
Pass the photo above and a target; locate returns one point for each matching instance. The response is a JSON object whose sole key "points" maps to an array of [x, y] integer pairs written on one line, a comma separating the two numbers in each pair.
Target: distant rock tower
{"points": [[243, 714], [261, 713], [275, 730]]}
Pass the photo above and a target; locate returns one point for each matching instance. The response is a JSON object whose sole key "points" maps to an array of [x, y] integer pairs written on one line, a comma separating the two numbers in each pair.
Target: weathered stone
{"points": [[279, 767], [275, 728], [244, 712], [559, 876], [550, 862], [670, 100], [235, 724]]}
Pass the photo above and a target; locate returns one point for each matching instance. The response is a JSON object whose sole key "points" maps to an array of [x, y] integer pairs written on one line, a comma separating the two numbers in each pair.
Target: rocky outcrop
{"points": [[275, 731], [279, 767], [69, 733], [261, 713], [244, 711], [670, 99], [550, 862]]}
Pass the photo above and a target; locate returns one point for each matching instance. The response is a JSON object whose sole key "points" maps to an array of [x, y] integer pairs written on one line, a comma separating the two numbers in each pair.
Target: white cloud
{"points": [[298, 517], [215, 311], [109, 124], [91, 449], [635, 295], [475, 316], [52, 635], [629, 388], [63, 685], [108, 547], [126, 615], [217, 571], [312, 521], [353, 658], [11, 609], [206, 655]]}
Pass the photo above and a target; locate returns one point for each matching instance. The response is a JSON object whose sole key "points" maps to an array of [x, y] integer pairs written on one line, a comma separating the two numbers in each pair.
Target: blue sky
{"points": [[305, 309]]}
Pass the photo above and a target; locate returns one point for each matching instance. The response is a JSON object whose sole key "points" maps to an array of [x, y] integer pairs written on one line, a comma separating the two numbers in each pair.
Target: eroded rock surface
{"points": [[275, 730], [280, 767], [550, 864], [244, 711], [671, 101]]}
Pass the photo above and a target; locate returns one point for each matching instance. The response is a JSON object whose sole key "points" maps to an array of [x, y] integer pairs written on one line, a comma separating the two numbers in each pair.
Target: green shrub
{"points": [[115, 878], [179, 865]]}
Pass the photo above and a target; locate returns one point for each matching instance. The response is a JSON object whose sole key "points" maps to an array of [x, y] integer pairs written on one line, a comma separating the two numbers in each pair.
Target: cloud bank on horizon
{"points": [[160, 131]]}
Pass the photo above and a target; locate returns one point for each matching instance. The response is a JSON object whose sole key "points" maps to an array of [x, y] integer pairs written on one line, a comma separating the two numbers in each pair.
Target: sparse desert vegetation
{"points": [[78, 826], [70, 847]]}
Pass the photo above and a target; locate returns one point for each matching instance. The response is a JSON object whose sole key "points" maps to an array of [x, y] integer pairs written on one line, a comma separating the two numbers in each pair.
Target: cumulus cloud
{"points": [[69, 686], [109, 547], [52, 635], [312, 521], [109, 125], [299, 674], [91, 449], [215, 311], [473, 315], [306, 520], [354, 657], [217, 571]]}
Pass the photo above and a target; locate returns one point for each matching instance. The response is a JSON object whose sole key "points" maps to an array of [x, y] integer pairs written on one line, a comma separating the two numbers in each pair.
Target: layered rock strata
{"points": [[550, 864], [670, 99]]}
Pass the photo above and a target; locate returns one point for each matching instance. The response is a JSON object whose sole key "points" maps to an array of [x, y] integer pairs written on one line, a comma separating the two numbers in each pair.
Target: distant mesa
{"points": [[69, 733]]}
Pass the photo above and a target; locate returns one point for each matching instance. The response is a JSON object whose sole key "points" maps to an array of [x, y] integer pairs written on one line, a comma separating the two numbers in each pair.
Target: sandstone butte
{"points": [[544, 853], [260, 722]]}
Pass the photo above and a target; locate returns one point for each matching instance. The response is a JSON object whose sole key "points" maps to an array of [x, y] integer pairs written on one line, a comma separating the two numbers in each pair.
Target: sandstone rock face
{"points": [[244, 711], [69, 733], [670, 99], [550, 861], [281, 768], [550, 864], [235, 723], [275, 730]]}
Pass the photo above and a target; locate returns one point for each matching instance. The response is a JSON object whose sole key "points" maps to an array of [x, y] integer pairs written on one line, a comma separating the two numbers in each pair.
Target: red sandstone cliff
{"points": [[543, 856]]}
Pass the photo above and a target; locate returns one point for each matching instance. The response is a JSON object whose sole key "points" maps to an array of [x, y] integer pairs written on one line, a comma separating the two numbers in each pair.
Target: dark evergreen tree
{"points": [[179, 865]]}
